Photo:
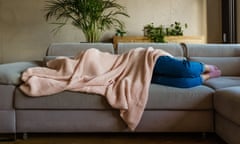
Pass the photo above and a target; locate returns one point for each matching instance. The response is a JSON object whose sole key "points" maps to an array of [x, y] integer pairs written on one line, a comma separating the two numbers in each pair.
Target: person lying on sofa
{"points": [[182, 73], [123, 79], [141, 66]]}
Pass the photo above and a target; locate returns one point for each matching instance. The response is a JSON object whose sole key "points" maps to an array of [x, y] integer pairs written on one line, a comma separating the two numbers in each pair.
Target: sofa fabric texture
{"points": [[226, 102]]}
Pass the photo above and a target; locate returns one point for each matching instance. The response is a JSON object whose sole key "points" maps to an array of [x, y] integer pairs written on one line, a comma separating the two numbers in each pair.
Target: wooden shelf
{"points": [[129, 39], [169, 39], [185, 39]]}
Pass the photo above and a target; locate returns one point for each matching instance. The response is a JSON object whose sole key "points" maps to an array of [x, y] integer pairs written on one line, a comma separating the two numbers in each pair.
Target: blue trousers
{"points": [[177, 73]]}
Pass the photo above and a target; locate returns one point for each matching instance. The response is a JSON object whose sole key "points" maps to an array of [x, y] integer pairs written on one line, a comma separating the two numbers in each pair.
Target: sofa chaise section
{"points": [[227, 115], [227, 87]]}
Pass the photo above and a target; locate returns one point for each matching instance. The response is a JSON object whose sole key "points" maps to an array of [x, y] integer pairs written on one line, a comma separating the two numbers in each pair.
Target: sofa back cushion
{"points": [[225, 56], [71, 49], [173, 48]]}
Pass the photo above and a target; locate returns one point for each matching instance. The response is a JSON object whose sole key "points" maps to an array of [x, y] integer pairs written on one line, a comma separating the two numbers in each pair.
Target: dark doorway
{"points": [[229, 21]]}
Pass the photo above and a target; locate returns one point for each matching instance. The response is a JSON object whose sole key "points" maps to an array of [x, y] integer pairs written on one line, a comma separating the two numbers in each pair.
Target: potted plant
{"points": [[147, 28], [120, 31], [159, 34], [156, 34], [176, 29], [93, 17]]}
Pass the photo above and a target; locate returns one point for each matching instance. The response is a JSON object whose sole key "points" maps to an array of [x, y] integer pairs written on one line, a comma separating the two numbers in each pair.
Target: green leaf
{"points": [[91, 16]]}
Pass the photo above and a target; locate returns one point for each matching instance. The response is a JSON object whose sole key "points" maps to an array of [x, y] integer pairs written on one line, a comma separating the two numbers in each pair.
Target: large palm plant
{"points": [[91, 16]]}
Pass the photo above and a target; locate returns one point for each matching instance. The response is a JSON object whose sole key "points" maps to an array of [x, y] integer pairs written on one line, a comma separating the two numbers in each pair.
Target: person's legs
{"points": [[172, 67], [182, 73], [182, 82], [179, 82]]}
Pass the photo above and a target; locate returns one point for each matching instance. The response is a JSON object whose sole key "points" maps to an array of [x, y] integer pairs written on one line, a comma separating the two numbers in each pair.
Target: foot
{"points": [[211, 71], [213, 67], [209, 68], [215, 73]]}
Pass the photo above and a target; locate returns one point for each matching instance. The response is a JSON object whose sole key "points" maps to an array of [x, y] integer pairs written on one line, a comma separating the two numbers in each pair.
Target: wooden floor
{"points": [[118, 138]]}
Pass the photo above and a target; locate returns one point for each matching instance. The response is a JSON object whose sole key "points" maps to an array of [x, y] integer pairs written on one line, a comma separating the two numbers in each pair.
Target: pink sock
{"points": [[215, 73], [213, 67]]}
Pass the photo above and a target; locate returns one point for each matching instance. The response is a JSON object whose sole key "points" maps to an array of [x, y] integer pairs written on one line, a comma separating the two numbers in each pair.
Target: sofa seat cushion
{"points": [[223, 82], [172, 98], [10, 72], [63, 100], [227, 103], [160, 97]]}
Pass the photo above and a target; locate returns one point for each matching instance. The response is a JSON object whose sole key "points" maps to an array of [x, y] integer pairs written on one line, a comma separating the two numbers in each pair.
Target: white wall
{"points": [[164, 12], [24, 34]]}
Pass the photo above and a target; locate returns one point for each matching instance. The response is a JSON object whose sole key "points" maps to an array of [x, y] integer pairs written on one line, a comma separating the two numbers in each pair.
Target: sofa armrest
{"points": [[10, 73]]}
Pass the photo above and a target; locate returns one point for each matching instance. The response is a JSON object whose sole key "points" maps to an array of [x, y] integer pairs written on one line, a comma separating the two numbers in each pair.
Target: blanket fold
{"points": [[123, 79]]}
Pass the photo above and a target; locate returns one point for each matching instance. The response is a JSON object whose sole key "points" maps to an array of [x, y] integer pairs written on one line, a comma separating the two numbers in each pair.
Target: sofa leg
{"points": [[15, 137], [204, 135], [25, 136]]}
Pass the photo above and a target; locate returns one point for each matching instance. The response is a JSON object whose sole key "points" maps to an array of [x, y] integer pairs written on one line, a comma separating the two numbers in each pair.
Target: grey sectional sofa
{"points": [[212, 107]]}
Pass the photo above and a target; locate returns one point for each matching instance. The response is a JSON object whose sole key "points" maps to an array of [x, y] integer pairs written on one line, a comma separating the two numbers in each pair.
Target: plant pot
{"points": [[184, 39]]}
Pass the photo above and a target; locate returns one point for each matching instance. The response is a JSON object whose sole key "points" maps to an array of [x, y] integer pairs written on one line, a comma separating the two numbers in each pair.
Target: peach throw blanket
{"points": [[123, 79]]}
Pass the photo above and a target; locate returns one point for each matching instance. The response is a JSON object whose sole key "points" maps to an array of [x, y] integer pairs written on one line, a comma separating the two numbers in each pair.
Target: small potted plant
{"points": [[147, 29], [158, 34], [120, 31], [176, 29]]}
